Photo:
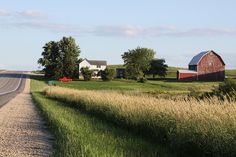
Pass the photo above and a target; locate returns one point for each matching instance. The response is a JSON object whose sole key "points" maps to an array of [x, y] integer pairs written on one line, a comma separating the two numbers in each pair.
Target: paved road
{"points": [[11, 84]]}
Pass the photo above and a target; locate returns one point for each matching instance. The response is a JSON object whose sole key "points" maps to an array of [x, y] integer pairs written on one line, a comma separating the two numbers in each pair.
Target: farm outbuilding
{"points": [[205, 66], [120, 72]]}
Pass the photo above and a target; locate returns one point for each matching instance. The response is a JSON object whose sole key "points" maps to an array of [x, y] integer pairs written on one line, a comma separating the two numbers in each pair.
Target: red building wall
{"points": [[187, 76], [211, 67]]}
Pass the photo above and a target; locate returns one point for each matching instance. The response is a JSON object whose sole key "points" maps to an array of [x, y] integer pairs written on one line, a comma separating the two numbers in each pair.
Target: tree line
{"points": [[61, 58]]}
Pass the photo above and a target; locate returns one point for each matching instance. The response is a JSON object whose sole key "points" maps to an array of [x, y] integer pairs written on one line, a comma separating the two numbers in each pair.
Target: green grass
{"points": [[188, 127], [171, 72], [230, 73], [155, 86], [78, 133]]}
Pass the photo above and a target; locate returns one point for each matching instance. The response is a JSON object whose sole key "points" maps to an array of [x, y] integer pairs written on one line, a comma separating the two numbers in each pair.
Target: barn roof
{"points": [[97, 62], [196, 59]]}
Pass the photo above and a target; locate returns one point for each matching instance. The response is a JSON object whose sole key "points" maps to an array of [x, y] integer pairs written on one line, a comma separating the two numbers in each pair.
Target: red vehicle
{"points": [[65, 79]]}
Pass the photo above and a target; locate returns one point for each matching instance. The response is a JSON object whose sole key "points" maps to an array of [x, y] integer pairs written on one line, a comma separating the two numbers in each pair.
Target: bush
{"points": [[107, 74], [87, 74], [227, 87], [142, 80], [226, 90]]}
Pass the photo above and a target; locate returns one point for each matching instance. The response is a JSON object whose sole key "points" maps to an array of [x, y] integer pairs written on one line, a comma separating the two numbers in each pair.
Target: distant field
{"points": [[230, 73], [172, 71]]}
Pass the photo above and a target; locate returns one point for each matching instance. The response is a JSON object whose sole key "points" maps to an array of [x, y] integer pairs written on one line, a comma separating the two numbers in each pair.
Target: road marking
{"points": [[13, 89]]}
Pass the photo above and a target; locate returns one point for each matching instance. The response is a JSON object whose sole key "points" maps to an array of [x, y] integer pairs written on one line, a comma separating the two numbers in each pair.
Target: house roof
{"points": [[97, 62], [196, 59], [187, 71]]}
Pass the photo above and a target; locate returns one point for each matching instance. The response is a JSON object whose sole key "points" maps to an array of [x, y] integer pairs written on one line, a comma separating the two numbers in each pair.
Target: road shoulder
{"points": [[22, 130]]}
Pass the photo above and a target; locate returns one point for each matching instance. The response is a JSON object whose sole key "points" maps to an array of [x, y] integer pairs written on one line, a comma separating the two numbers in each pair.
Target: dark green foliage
{"points": [[227, 86], [107, 74], [137, 62], [158, 67], [60, 58], [142, 80], [87, 74], [227, 89]]}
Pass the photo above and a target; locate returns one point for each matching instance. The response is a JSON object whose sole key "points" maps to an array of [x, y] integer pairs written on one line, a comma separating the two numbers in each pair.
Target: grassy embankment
{"points": [[79, 133], [196, 128]]}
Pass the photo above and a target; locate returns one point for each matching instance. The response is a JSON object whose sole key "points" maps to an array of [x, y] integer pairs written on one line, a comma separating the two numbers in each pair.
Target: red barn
{"points": [[205, 66]]}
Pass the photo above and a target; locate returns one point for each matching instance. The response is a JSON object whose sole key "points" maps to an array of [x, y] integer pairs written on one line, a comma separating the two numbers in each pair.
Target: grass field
{"points": [[80, 133], [189, 128], [230, 73], [155, 86]]}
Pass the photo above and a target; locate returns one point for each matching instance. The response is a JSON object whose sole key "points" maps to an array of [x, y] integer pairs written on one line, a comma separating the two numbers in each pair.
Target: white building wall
{"points": [[85, 63]]}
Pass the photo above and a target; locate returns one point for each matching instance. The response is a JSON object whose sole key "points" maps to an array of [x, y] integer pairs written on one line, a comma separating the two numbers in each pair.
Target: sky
{"points": [[105, 29]]}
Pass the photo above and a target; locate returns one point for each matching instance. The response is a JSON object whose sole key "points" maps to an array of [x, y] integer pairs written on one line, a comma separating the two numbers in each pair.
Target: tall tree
{"points": [[50, 59], [60, 58], [137, 62], [70, 52], [158, 67]]}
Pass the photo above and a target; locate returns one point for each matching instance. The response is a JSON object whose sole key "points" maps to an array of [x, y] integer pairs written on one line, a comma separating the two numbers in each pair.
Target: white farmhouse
{"points": [[95, 65]]}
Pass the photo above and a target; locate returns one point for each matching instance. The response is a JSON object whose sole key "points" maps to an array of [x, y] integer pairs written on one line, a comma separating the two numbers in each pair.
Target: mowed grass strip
{"points": [[188, 127], [80, 134], [170, 86]]}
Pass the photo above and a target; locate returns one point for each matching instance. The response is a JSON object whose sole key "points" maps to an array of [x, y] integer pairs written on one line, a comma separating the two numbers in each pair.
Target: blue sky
{"points": [[104, 29]]}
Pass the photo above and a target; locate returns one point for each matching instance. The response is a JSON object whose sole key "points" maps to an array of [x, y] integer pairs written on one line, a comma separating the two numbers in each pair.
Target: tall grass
{"points": [[193, 127], [80, 134]]}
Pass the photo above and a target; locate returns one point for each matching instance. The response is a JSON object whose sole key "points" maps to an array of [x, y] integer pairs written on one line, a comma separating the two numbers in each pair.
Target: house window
{"points": [[98, 66], [210, 64]]}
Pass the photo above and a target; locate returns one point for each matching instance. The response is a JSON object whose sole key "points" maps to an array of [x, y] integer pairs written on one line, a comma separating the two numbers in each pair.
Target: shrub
{"points": [[87, 74], [227, 89], [227, 86], [107, 74], [142, 80]]}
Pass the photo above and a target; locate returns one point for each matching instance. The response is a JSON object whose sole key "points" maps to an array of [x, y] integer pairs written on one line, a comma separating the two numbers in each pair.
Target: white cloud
{"points": [[31, 14], [4, 13], [17, 15], [37, 20], [158, 31]]}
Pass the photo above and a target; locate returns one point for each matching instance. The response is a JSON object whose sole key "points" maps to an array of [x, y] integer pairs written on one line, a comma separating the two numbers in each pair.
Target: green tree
{"points": [[50, 60], [107, 74], [60, 58], [70, 52], [137, 62], [158, 67], [86, 73]]}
